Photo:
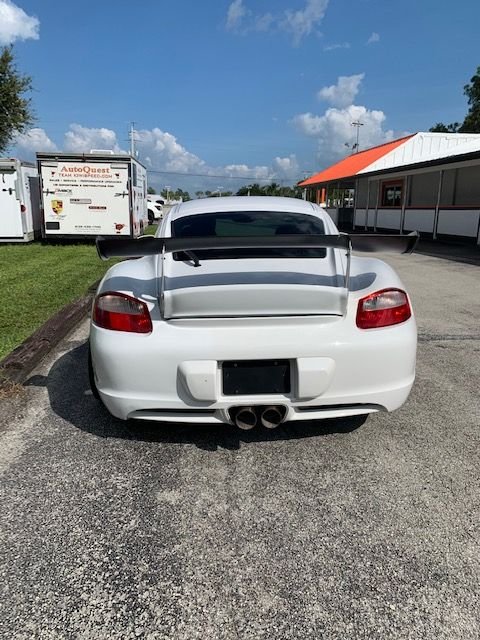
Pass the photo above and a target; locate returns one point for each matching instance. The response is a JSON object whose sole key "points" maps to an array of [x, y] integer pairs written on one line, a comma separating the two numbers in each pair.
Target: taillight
{"points": [[383, 309], [119, 312], [23, 208]]}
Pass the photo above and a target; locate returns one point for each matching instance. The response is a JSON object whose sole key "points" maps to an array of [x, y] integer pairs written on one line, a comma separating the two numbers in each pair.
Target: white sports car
{"points": [[250, 311]]}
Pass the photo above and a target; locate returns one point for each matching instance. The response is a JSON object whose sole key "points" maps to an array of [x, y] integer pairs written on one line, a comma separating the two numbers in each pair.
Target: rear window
{"points": [[249, 223]]}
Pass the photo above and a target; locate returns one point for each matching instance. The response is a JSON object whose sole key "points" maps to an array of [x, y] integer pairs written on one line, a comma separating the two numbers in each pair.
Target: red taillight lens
{"points": [[383, 309], [119, 312]]}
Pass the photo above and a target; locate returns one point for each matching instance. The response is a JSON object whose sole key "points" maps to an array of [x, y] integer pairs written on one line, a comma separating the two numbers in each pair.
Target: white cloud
{"points": [[333, 130], [344, 92], [161, 150], [235, 15], [286, 168], [15, 24], [264, 23], [243, 170], [301, 23], [375, 37], [79, 139], [334, 47], [33, 140]]}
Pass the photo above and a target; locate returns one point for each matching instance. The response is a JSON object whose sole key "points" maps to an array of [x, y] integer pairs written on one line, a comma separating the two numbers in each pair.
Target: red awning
{"points": [[350, 166]]}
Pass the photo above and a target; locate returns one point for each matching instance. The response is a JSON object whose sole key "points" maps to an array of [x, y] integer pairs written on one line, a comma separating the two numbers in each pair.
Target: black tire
{"points": [[91, 376], [151, 219]]}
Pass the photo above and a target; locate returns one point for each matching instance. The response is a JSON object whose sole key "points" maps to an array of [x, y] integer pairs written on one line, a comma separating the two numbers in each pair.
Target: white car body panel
{"points": [[252, 309]]}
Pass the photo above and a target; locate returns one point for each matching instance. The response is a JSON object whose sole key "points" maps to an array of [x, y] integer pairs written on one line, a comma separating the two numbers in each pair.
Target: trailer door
{"points": [[10, 214], [85, 198]]}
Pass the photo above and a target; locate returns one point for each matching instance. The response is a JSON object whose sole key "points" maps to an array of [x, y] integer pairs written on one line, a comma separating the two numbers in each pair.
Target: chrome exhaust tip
{"points": [[244, 418], [272, 417]]}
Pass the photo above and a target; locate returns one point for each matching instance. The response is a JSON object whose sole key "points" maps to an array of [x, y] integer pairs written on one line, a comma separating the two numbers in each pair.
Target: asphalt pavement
{"points": [[322, 530]]}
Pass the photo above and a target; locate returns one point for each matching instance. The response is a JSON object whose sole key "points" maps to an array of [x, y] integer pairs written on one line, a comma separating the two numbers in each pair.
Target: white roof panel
{"points": [[424, 147]]}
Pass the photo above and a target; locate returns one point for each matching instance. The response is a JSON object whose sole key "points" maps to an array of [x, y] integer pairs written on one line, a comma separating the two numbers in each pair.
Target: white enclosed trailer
{"points": [[20, 219], [91, 194]]}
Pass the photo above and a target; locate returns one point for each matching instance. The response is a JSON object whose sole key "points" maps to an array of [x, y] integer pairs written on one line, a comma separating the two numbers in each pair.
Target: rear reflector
{"points": [[119, 312], [383, 309]]}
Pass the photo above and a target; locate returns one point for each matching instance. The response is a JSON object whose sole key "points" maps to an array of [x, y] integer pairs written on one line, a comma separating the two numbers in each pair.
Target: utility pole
{"points": [[132, 139], [357, 124]]}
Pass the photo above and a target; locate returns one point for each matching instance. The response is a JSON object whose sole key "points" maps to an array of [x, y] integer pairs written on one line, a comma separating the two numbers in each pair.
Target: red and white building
{"points": [[428, 182]]}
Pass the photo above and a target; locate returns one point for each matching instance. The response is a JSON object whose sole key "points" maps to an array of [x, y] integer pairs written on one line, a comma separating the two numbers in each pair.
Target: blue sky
{"points": [[260, 89]]}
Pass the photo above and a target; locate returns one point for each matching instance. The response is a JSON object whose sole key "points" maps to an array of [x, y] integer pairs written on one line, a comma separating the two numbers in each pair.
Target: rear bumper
{"points": [[174, 374]]}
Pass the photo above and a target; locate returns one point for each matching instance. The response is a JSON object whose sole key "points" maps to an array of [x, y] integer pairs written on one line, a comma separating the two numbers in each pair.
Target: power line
{"points": [[209, 175]]}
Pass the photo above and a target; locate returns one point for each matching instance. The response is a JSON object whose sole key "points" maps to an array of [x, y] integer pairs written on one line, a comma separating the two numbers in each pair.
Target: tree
{"points": [[272, 189], [445, 128], [199, 194], [180, 194], [471, 124], [151, 190], [16, 113], [175, 194]]}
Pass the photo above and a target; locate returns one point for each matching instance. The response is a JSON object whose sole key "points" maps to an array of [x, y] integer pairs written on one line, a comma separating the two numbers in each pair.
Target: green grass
{"points": [[150, 230], [37, 280]]}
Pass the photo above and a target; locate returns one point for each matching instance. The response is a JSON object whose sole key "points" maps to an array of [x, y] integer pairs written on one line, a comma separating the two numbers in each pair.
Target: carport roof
{"points": [[350, 166], [419, 149]]}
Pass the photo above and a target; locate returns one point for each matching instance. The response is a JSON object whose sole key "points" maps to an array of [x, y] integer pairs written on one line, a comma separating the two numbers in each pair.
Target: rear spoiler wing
{"points": [[149, 246]]}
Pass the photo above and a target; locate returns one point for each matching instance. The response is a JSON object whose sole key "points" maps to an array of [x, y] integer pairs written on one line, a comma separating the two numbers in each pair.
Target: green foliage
{"points": [[471, 123], [272, 189], [37, 280], [177, 194], [445, 128], [15, 109], [151, 190]]}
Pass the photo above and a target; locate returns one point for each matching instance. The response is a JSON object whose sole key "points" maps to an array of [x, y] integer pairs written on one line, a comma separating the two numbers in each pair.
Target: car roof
{"points": [[244, 203]]}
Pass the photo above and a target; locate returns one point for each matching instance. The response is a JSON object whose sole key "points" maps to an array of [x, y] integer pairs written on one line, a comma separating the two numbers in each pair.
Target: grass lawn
{"points": [[150, 230], [37, 280]]}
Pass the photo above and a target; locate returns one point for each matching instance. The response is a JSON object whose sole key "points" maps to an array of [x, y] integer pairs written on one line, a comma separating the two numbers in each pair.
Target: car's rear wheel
{"points": [[151, 218], [91, 376]]}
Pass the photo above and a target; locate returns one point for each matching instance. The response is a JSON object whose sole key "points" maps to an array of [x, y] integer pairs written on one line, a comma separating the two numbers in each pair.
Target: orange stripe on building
{"points": [[350, 166]]}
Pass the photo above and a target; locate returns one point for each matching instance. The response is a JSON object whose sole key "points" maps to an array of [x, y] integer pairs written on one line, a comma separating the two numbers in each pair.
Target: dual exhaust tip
{"points": [[247, 418]]}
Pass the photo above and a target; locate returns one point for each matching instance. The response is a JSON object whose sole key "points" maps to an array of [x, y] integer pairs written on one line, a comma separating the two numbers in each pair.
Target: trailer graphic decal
{"points": [[57, 206]]}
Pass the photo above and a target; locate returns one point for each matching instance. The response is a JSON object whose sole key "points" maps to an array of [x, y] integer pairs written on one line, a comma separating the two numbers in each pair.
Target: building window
{"points": [[392, 194]]}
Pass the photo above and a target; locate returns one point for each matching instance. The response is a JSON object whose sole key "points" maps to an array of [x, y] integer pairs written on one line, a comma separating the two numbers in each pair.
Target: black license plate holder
{"points": [[256, 377]]}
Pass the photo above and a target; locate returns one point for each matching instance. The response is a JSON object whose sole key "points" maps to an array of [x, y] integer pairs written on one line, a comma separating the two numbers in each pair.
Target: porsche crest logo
{"points": [[57, 206]]}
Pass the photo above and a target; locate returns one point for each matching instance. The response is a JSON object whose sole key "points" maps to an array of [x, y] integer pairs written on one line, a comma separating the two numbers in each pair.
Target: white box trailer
{"points": [[20, 219], [91, 194]]}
